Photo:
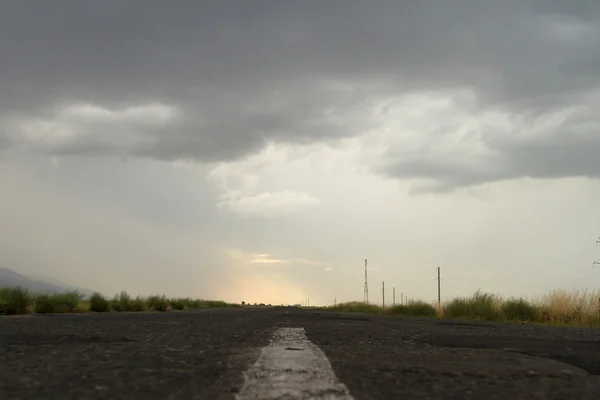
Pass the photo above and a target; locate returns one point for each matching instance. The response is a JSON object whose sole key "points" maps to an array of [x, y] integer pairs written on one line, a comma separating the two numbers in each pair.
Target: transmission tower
{"points": [[366, 299]]}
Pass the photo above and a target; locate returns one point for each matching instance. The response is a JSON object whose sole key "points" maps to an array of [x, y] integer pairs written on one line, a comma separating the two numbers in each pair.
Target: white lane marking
{"points": [[292, 367]]}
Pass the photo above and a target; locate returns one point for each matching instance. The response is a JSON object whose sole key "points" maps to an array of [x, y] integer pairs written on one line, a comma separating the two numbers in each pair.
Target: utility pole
{"points": [[439, 289], [334, 301], [366, 296], [383, 294], [394, 295]]}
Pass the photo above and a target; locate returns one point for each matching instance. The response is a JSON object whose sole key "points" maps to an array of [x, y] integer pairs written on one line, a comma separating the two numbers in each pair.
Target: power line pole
{"points": [[366, 296], [383, 294], [439, 288], [394, 295]]}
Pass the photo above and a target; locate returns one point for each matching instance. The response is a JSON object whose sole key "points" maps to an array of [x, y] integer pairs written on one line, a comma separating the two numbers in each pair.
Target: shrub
{"points": [[179, 304], [212, 303], [15, 300], [195, 304], [519, 310], [158, 303], [121, 302], [399, 309], [357, 306], [413, 309], [99, 303], [57, 303], [420, 309], [138, 304], [44, 304], [482, 306], [66, 302]]}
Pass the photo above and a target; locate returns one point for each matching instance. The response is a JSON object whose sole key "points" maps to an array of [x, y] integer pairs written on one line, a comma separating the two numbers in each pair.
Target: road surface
{"points": [[289, 353]]}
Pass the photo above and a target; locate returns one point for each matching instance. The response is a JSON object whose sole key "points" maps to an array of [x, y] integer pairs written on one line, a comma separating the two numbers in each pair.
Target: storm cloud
{"points": [[217, 81]]}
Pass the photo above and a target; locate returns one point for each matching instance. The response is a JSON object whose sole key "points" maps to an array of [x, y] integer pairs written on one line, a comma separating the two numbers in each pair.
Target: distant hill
{"points": [[8, 277]]}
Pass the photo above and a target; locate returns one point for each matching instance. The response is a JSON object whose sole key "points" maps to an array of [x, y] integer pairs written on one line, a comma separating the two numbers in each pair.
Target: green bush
{"points": [[158, 303], [99, 303], [44, 304], [481, 306], [212, 304], [194, 304], [15, 300], [121, 302], [420, 309], [357, 306], [57, 303], [67, 302], [179, 304], [519, 310], [138, 304]]}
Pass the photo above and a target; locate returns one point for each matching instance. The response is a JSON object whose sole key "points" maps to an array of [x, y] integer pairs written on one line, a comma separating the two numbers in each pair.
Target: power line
{"points": [[573, 275], [580, 273], [598, 260], [545, 267]]}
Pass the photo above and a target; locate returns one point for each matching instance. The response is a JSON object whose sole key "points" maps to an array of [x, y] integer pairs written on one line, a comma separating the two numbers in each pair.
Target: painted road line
{"points": [[292, 367]]}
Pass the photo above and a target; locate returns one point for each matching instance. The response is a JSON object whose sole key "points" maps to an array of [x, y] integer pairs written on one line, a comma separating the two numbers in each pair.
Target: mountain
{"points": [[8, 277]]}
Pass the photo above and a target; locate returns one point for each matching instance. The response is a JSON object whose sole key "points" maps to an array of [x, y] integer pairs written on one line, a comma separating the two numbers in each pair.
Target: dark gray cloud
{"points": [[569, 148], [244, 73]]}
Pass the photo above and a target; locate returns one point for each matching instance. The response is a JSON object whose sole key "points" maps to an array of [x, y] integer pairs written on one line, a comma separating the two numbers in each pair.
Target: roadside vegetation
{"points": [[19, 301], [558, 307], [412, 309]]}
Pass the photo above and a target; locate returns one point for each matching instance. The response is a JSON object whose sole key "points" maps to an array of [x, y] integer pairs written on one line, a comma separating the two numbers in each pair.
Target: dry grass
{"points": [[577, 307], [558, 307]]}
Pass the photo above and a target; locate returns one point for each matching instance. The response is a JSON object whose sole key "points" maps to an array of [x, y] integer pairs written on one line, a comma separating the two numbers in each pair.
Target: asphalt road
{"points": [[290, 353]]}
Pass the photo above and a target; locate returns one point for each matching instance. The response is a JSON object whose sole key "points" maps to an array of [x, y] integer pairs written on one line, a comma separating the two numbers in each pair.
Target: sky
{"points": [[261, 151]]}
